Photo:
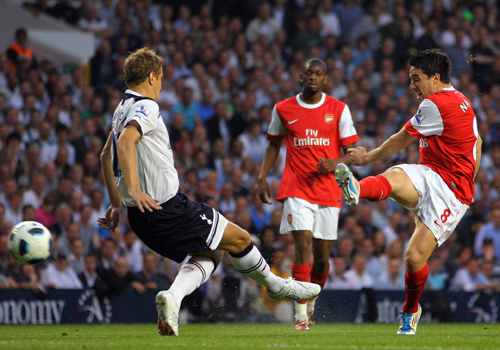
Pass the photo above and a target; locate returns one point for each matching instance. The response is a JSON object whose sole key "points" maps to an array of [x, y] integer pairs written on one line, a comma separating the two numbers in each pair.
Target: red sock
{"points": [[318, 277], [301, 272], [415, 283], [375, 188]]}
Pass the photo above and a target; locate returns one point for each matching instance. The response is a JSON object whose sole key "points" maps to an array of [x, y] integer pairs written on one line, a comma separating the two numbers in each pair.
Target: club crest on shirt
{"points": [[142, 111], [328, 118], [419, 117], [289, 217]]}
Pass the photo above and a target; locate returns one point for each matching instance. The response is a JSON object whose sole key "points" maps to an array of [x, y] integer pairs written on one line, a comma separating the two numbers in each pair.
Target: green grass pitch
{"points": [[251, 336]]}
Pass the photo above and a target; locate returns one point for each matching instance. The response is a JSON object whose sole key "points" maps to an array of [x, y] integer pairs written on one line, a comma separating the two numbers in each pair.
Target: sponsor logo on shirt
{"points": [[311, 139], [328, 118], [142, 111], [419, 117]]}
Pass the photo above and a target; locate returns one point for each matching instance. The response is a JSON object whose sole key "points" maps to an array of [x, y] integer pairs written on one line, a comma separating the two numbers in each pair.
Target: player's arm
{"points": [[327, 165], [478, 155], [112, 217], [391, 146], [270, 155], [126, 154]]}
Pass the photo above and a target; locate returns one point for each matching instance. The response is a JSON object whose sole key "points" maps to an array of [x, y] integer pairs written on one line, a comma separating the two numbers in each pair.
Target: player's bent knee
{"points": [[414, 261], [235, 239]]}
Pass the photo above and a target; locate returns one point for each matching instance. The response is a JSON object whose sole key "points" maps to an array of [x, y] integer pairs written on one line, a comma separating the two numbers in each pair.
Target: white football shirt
{"points": [[154, 157]]}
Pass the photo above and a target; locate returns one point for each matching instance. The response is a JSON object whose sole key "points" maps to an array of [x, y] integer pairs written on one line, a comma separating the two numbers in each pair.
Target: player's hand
{"points": [[264, 191], [326, 165], [358, 155], [110, 220], [144, 201]]}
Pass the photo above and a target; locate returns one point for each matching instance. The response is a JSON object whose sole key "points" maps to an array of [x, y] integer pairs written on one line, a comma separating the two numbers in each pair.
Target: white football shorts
{"points": [[438, 207], [299, 214]]}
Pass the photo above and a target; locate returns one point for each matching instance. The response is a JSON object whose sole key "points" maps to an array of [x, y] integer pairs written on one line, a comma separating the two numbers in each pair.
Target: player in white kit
{"points": [[138, 168], [440, 188]]}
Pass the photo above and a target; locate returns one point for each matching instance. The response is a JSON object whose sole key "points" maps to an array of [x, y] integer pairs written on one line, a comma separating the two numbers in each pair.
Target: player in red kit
{"points": [[315, 128], [439, 189]]}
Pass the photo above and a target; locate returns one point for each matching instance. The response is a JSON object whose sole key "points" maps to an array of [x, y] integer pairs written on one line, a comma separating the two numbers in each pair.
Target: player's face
{"points": [[157, 83], [313, 78], [421, 84]]}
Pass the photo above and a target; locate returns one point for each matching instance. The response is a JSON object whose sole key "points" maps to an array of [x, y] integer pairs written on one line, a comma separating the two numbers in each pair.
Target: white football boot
{"points": [[408, 322], [295, 290], [168, 314]]}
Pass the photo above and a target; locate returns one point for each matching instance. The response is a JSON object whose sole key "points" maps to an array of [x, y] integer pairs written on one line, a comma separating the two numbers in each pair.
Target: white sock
{"points": [[193, 273], [300, 311], [311, 303], [250, 263]]}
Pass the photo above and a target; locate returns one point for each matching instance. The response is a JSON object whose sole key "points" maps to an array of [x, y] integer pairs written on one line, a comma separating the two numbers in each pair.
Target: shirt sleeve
{"points": [[276, 129], [347, 131], [146, 113], [427, 121]]}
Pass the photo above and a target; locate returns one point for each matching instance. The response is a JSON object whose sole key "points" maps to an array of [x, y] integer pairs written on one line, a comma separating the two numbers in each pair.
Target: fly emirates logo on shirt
{"points": [[311, 139]]}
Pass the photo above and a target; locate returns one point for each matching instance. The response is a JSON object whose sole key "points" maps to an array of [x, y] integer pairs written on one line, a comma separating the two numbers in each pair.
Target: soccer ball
{"points": [[30, 242]]}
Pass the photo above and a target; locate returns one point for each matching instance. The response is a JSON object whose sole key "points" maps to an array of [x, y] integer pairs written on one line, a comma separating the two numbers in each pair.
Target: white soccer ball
{"points": [[30, 242]]}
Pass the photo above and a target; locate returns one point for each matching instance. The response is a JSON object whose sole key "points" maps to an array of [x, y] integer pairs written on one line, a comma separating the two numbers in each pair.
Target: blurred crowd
{"points": [[226, 63]]}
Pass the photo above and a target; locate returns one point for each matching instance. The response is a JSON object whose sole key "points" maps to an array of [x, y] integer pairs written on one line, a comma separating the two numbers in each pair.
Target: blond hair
{"points": [[140, 64]]}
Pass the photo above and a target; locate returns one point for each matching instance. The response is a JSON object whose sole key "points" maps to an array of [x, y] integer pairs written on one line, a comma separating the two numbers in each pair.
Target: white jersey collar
{"points": [[309, 106], [128, 91], [451, 88]]}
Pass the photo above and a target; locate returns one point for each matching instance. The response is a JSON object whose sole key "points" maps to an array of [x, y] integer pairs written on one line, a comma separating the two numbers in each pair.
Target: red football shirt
{"points": [[311, 132], [446, 127]]}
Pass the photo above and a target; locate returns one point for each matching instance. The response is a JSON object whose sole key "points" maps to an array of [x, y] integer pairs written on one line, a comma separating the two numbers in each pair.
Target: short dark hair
{"points": [[315, 61], [432, 61]]}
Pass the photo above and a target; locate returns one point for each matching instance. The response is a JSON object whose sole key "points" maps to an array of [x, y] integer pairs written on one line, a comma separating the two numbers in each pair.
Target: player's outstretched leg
{"points": [[348, 184], [250, 263], [408, 322], [193, 273]]}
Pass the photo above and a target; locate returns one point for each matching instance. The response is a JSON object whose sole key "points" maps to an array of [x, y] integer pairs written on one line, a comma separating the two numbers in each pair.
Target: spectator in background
{"points": [[35, 195], [357, 277], [76, 256], [60, 275], [88, 229], [116, 280], [132, 250], [45, 214], [107, 255], [205, 108], [254, 142], [471, 279], [90, 22], [102, 66], [63, 10], [63, 219], [489, 230], [392, 279], [188, 109], [437, 277], [18, 49], [89, 275], [65, 242], [22, 276], [336, 278], [4, 253], [147, 278], [264, 24]]}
